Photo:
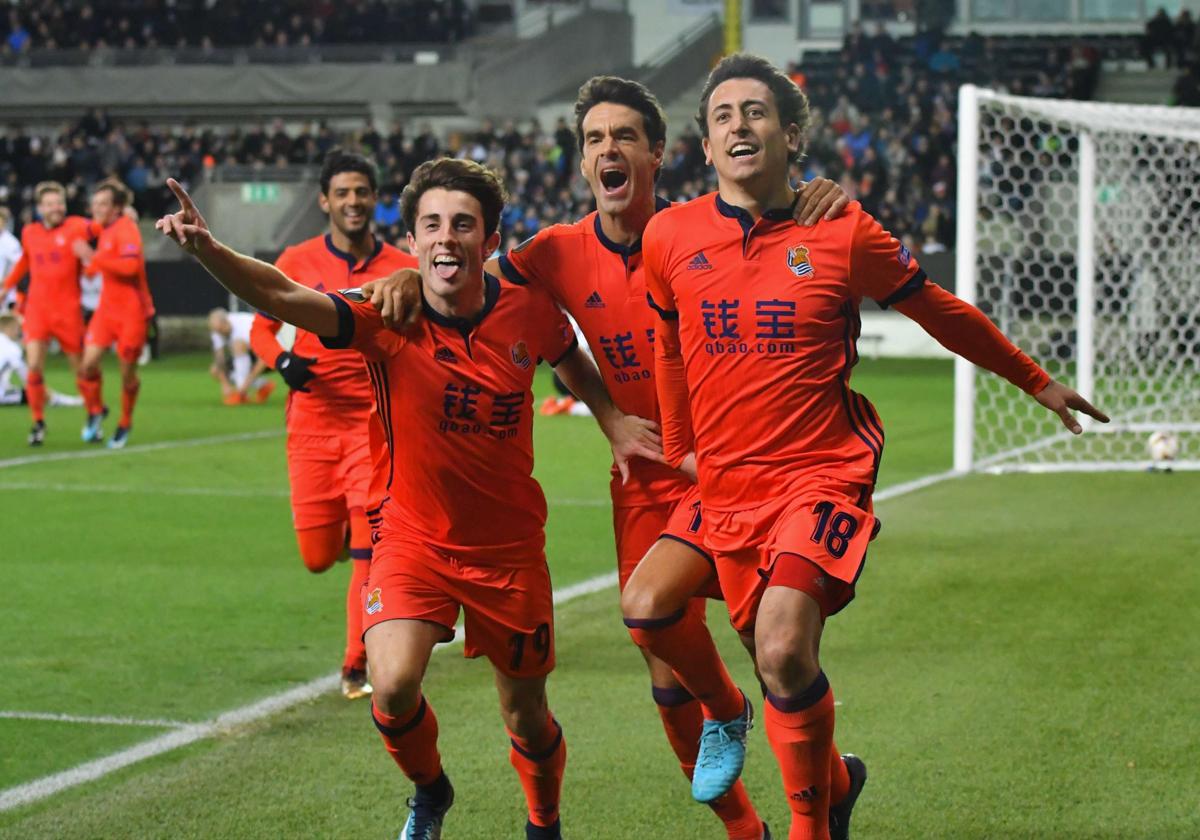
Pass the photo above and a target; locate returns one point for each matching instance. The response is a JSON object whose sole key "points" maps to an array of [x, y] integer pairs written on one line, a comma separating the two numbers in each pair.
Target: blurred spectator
{"points": [[1159, 37], [37, 24], [882, 125]]}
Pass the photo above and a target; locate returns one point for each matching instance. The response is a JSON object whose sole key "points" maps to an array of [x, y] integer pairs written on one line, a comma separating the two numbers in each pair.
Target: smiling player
{"points": [[755, 347], [461, 524]]}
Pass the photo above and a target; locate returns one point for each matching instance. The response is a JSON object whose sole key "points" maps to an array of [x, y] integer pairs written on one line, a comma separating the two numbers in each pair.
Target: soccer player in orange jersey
{"points": [[328, 453], [461, 524], [122, 315], [753, 356], [52, 308], [593, 268]]}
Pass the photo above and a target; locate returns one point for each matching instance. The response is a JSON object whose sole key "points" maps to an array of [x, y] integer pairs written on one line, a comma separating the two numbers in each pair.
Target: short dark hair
{"points": [[458, 175], [625, 92], [789, 99], [338, 160], [121, 195]]}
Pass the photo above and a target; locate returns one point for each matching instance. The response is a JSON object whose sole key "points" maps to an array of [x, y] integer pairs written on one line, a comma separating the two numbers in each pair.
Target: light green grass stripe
{"points": [[104, 452]]}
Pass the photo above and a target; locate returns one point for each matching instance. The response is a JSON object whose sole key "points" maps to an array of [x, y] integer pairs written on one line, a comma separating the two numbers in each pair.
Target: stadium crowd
{"points": [[883, 126], [129, 24]]}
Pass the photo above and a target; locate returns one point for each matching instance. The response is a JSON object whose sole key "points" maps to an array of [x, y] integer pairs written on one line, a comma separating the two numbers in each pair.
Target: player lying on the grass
{"points": [[330, 397], [14, 372], [233, 365], [756, 342], [124, 311], [52, 304], [463, 520], [593, 268]]}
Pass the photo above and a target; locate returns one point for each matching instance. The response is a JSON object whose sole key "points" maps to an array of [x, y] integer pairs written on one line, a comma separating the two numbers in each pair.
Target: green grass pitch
{"points": [[1021, 660]]}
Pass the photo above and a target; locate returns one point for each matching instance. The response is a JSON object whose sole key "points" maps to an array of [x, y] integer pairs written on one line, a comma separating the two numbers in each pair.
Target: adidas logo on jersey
{"points": [[594, 301], [444, 354], [699, 263]]}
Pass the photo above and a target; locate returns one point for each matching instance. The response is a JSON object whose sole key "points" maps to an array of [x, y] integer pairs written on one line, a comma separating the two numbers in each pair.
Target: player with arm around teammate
{"points": [[594, 269], [462, 520], [756, 343]]}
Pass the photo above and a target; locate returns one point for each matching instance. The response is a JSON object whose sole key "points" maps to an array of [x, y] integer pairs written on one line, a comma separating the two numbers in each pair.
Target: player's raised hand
{"points": [[187, 227], [819, 198], [634, 437], [396, 297], [1060, 399]]}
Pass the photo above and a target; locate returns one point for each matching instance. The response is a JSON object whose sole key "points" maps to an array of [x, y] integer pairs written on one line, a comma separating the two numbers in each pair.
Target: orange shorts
{"points": [[66, 325], [329, 475], [125, 329], [822, 531], [509, 609], [637, 529]]}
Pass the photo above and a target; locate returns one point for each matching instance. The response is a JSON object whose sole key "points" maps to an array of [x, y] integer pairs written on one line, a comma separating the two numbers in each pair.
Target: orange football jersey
{"points": [[455, 410], [602, 285], [51, 263], [768, 319], [340, 394], [122, 265]]}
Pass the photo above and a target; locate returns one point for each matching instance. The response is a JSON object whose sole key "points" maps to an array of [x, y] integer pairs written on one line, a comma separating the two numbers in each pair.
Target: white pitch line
{"points": [[104, 452], [102, 719], [38, 789], [230, 492], [146, 490]]}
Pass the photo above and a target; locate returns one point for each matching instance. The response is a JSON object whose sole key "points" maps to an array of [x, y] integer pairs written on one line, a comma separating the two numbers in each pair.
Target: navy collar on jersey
{"points": [[349, 258], [626, 251], [778, 214], [491, 294]]}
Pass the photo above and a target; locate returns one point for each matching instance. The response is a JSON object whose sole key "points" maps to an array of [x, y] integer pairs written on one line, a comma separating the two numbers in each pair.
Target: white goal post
{"points": [[1079, 235]]}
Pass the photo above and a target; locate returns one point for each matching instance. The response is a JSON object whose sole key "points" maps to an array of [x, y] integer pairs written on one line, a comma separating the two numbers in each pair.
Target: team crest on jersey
{"points": [[374, 601], [797, 260], [520, 355], [354, 295]]}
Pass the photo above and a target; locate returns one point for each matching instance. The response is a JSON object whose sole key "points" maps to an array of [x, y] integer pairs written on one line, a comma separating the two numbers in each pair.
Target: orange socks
{"points": [[800, 731], [35, 391], [360, 560], [411, 740], [682, 641], [539, 765], [90, 390], [129, 395], [682, 721]]}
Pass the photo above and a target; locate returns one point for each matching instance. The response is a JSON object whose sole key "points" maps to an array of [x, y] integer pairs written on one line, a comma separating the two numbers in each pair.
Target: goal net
{"points": [[1079, 235]]}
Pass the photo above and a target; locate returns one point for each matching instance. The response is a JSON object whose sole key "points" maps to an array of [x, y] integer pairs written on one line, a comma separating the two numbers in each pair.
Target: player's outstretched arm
{"points": [[259, 284], [819, 199], [18, 271], [964, 330], [630, 436], [397, 298]]}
